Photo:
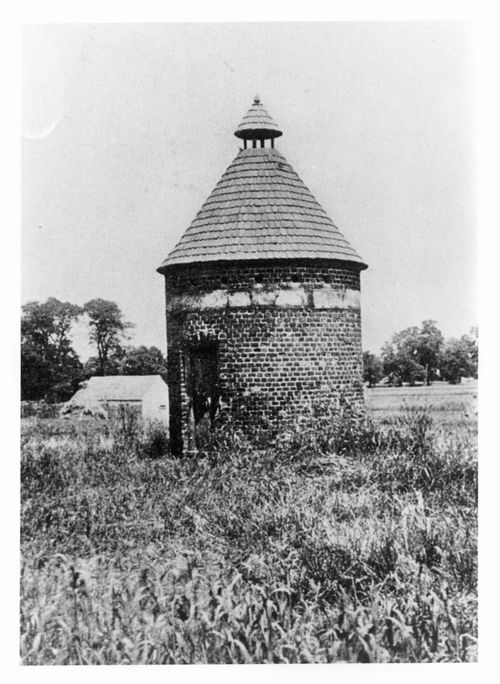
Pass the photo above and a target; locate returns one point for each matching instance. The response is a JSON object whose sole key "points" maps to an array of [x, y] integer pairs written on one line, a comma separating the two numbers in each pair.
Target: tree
{"points": [[373, 370], [50, 367], [400, 358], [107, 330], [143, 361], [391, 365], [429, 344], [413, 354], [93, 366], [459, 359], [130, 361]]}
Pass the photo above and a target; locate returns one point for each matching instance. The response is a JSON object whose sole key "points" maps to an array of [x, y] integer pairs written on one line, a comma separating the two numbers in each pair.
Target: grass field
{"points": [[447, 403], [342, 540]]}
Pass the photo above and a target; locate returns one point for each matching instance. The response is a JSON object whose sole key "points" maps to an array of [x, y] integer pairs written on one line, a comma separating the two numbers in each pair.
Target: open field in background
{"points": [[448, 404], [340, 541]]}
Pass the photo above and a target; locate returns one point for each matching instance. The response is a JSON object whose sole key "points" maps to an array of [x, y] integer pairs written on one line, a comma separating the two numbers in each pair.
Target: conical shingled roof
{"points": [[257, 124], [261, 209]]}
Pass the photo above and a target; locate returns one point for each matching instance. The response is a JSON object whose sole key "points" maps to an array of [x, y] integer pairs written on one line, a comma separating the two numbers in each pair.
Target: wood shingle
{"points": [[261, 209]]}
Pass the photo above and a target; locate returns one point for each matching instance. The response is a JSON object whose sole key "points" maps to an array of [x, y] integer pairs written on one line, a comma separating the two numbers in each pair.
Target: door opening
{"points": [[203, 394]]}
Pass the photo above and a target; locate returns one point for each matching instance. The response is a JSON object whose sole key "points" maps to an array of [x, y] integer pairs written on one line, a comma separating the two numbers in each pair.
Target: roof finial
{"points": [[256, 100]]}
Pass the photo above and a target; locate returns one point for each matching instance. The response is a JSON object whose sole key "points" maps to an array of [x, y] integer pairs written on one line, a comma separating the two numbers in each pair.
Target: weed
{"points": [[155, 440], [340, 539]]}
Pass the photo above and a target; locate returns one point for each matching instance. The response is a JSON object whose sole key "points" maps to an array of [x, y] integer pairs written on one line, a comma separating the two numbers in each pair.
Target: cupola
{"points": [[257, 125]]}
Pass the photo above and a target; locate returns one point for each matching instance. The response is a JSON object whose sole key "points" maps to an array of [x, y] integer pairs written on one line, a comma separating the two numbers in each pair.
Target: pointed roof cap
{"points": [[257, 124]]}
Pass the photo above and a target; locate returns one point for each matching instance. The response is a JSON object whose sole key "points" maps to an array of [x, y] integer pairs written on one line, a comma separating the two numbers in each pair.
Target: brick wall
{"points": [[271, 359], [237, 275]]}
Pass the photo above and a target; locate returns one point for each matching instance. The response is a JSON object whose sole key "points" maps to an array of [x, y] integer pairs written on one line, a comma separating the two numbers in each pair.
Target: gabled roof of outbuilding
{"points": [[261, 209], [116, 387]]}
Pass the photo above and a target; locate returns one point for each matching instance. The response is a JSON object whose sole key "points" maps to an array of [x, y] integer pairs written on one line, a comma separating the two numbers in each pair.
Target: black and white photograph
{"points": [[249, 344]]}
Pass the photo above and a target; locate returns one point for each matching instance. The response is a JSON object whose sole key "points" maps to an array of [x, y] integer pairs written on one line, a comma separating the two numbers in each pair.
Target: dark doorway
{"points": [[202, 388]]}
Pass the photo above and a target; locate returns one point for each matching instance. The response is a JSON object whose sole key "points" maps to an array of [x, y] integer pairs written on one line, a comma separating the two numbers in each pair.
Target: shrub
{"points": [[155, 440], [40, 409]]}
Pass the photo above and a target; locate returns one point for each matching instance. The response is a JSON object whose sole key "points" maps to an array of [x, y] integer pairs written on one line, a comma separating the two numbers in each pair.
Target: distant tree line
{"points": [[422, 355], [51, 368]]}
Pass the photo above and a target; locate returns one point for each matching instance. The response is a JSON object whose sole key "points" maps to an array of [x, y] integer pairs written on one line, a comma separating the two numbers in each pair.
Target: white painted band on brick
{"points": [[295, 296], [212, 300], [217, 299], [238, 299], [283, 298], [332, 298], [265, 297]]}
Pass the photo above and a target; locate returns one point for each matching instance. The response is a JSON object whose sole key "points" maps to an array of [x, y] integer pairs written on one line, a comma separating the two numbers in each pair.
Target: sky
{"points": [[128, 127]]}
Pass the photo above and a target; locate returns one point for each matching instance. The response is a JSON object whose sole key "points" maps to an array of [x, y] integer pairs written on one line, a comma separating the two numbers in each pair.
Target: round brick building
{"points": [[262, 298]]}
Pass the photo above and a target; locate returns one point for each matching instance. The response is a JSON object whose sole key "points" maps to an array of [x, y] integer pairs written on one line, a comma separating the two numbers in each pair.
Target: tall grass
{"points": [[343, 539]]}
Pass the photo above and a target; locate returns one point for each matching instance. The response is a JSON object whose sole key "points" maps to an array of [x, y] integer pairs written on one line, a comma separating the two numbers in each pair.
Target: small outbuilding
{"points": [[147, 393]]}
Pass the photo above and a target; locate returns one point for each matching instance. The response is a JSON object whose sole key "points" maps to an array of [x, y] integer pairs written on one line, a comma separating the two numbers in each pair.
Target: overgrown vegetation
{"points": [[344, 539]]}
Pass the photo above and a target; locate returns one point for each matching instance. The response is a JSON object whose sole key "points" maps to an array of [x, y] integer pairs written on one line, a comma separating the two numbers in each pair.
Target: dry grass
{"points": [[451, 402], [341, 541]]}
